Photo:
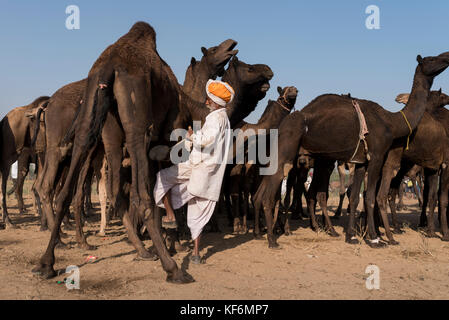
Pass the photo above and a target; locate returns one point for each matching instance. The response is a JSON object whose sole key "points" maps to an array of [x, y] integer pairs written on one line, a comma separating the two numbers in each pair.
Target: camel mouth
{"points": [[265, 87]]}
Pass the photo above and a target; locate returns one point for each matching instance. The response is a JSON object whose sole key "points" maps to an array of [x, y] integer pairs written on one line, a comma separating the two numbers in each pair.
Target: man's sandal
{"points": [[196, 260]]}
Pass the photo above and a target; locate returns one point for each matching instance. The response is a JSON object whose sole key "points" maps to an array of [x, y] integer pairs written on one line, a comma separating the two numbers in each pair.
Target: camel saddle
{"points": [[360, 155]]}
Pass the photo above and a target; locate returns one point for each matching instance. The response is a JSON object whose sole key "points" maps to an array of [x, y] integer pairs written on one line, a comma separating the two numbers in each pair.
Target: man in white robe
{"points": [[197, 181]]}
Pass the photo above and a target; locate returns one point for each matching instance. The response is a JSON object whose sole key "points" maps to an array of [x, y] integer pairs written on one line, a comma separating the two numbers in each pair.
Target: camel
{"points": [[313, 129], [428, 148], [238, 175], [15, 140], [61, 113], [148, 100]]}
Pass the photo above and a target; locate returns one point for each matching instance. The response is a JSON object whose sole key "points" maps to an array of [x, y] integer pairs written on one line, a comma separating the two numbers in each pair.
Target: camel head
{"points": [[254, 78], [436, 99], [216, 58], [433, 66], [288, 96], [36, 120]]}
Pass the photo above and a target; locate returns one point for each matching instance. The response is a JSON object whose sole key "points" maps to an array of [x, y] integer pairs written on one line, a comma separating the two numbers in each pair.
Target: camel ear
{"points": [[403, 98], [419, 59], [204, 51], [193, 61], [280, 90]]}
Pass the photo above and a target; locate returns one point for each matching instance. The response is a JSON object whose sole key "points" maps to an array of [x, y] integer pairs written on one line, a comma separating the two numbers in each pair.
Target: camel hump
{"points": [[403, 98]]}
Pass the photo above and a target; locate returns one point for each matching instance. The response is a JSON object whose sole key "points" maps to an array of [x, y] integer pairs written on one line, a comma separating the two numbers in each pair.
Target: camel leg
{"points": [[374, 172], [432, 177], [235, 198], [395, 186], [6, 220], [390, 169], [46, 182], [392, 203], [103, 197], [137, 127], [311, 197], [22, 172], [322, 197], [443, 201], [354, 198], [342, 175]]}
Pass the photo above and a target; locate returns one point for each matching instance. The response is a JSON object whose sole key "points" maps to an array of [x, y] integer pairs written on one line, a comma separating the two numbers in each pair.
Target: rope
{"points": [[363, 131], [409, 127]]}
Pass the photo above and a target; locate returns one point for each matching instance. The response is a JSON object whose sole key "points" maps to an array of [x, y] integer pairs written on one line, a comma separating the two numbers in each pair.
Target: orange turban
{"points": [[219, 92]]}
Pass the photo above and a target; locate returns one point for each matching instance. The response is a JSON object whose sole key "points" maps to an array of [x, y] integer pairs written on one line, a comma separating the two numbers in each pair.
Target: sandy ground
{"points": [[308, 266]]}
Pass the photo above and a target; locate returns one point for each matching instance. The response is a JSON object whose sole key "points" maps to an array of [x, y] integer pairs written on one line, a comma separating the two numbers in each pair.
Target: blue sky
{"points": [[319, 46]]}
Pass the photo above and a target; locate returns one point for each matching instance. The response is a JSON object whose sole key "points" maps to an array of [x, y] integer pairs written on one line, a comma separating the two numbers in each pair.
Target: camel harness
{"points": [[363, 131]]}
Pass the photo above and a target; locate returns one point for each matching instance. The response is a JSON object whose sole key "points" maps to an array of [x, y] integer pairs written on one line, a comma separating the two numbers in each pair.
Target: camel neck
{"points": [[195, 82], [270, 119], [415, 107]]}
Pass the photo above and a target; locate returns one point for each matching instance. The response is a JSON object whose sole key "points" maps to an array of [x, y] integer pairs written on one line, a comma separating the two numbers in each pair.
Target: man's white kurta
{"points": [[198, 180]]}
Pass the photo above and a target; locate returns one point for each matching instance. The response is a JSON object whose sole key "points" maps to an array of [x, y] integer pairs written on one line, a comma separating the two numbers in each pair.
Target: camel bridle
{"points": [[284, 98]]}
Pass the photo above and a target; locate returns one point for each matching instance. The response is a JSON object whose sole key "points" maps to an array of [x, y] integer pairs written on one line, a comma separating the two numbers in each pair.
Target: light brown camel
{"points": [[15, 139]]}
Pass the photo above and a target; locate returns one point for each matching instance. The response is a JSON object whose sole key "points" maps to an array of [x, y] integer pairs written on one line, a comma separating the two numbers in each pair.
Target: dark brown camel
{"points": [[428, 148], [313, 128], [148, 101], [15, 139], [61, 112], [238, 180]]}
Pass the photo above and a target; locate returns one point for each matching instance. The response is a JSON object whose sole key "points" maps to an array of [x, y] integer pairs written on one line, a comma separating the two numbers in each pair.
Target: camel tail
{"points": [[101, 105], [38, 119]]}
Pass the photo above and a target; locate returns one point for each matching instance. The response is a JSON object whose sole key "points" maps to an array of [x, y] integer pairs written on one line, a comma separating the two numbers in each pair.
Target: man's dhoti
{"points": [[175, 180]]}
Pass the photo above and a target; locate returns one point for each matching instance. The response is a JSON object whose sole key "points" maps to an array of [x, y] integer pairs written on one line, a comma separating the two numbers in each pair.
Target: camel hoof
{"points": [[181, 248], [180, 278], [86, 246], [376, 244], [146, 256], [445, 238], [352, 241], [333, 233], [431, 234], [11, 226], [44, 271], [393, 242], [274, 246], [258, 237], [62, 245], [43, 228]]}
